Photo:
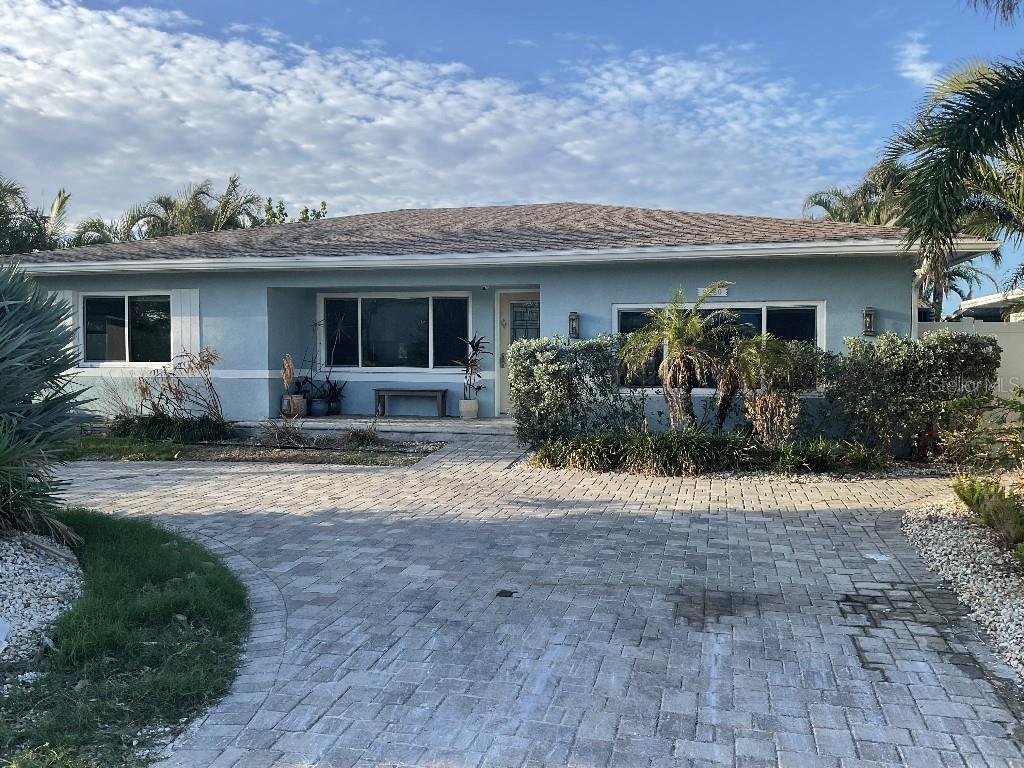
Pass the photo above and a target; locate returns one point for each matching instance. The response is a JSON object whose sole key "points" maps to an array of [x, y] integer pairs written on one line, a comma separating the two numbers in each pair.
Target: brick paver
{"points": [[470, 611]]}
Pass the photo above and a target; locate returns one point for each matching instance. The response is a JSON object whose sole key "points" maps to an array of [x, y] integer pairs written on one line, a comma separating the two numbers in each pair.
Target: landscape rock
{"points": [[40, 581]]}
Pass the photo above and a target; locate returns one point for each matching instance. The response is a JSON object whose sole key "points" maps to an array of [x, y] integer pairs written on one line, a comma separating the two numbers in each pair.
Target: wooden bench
{"points": [[380, 398]]}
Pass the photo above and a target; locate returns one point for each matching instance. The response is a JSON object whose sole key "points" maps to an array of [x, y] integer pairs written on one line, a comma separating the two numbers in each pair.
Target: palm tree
{"points": [[1004, 9], [963, 154], [961, 279], [875, 200], [24, 228], [687, 336]]}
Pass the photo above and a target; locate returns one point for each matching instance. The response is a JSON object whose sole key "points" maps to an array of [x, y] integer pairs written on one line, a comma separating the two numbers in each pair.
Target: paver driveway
{"points": [[471, 611]]}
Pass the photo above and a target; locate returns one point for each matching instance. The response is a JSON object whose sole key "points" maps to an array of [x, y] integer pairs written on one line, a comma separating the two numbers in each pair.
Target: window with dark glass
{"points": [[341, 331], [793, 323], [386, 332], [149, 329], [134, 329], [634, 320], [451, 329], [396, 333], [787, 323]]}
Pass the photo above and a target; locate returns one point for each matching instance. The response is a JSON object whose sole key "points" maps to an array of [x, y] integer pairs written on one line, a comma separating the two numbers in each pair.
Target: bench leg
{"points": [[380, 405], [440, 408]]}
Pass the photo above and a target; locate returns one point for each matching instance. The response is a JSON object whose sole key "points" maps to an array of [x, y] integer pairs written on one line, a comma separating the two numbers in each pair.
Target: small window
{"points": [[133, 329], [793, 323], [451, 329], [341, 331]]}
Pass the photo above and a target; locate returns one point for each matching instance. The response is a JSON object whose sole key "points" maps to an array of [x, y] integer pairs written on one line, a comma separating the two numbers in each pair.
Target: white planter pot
{"points": [[468, 409]]}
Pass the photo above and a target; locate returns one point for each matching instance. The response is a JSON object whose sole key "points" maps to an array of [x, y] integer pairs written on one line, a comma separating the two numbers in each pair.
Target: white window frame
{"points": [[819, 323], [431, 370], [126, 363]]}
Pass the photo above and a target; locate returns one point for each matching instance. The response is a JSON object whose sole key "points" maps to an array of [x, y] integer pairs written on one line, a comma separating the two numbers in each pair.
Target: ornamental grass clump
{"points": [[37, 402]]}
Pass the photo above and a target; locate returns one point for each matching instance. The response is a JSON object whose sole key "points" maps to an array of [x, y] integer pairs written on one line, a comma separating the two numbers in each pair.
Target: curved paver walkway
{"points": [[471, 611]]}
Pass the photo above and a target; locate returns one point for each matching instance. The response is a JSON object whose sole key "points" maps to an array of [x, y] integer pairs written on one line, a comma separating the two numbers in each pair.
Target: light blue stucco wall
{"points": [[254, 318]]}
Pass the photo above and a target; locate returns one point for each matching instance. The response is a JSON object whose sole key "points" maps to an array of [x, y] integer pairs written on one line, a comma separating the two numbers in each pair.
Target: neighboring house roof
{"points": [[992, 301], [495, 229]]}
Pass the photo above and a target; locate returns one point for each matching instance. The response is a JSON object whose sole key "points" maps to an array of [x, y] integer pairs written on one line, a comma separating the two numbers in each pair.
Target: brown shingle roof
{"points": [[541, 227]]}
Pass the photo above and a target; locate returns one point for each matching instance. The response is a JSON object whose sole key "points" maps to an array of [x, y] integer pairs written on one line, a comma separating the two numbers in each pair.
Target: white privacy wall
{"points": [[1010, 337]]}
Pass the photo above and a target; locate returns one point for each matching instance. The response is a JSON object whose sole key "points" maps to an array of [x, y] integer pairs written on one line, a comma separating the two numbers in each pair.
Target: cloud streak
{"points": [[120, 104], [912, 60]]}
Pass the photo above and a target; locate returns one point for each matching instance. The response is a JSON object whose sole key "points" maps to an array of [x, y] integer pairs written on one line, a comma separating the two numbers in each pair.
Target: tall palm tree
{"points": [[687, 336], [875, 200], [963, 153]]}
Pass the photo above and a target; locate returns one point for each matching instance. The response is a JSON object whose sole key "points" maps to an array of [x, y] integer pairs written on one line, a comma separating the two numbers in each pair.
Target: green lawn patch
{"points": [[99, 448], [155, 638]]}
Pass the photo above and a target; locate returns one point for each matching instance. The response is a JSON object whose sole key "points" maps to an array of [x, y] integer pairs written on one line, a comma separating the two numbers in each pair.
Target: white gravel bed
{"points": [[984, 577], [35, 588]]}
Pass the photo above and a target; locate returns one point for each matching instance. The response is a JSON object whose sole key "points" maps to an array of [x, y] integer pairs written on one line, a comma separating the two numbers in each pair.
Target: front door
{"points": [[518, 318]]}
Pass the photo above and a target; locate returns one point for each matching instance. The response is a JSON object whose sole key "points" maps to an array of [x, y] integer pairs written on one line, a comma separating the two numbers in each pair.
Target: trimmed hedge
{"points": [[564, 388], [694, 452]]}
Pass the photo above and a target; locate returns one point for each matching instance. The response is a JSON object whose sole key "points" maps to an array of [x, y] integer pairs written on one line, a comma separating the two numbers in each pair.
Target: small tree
{"points": [[689, 337], [472, 366], [37, 402]]}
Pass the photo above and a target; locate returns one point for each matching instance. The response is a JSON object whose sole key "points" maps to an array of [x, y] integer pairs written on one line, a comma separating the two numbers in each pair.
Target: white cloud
{"points": [[117, 108], [522, 42], [912, 60]]}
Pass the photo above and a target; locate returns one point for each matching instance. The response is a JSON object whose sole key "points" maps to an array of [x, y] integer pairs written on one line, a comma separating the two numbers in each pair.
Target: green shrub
{"points": [[819, 455], [893, 388], [560, 388], [693, 452], [974, 491], [37, 401], [179, 429], [858, 457], [1004, 515]]}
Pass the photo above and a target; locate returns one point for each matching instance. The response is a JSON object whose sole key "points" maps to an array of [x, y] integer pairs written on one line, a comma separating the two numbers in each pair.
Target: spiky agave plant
{"points": [[37, 402]]}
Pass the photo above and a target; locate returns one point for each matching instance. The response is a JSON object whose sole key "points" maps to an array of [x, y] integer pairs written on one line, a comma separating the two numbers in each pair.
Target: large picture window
{"points": [[395, 331], [796, 322], [127, 329]]}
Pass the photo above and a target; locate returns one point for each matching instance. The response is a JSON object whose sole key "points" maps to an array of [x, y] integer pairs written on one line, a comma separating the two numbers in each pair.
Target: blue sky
{"points": [[742, 107]]}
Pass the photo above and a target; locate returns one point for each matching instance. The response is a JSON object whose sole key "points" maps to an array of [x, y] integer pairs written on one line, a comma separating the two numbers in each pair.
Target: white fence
{"points": [[1010, 337]]}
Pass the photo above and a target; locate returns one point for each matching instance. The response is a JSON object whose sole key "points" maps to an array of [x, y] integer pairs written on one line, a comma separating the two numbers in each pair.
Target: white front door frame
{"points": [[499, 377]]}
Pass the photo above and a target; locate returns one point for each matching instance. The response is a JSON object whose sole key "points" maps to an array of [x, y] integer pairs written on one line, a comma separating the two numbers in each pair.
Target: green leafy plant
{"points": [[37, 402], [973, 490], [472, 366], [561, 388], [688, 338], [162, 426], [895, 392]]}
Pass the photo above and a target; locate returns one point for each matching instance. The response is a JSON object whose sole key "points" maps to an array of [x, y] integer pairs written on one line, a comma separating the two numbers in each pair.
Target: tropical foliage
{"points": [[561, 388], [955, 169], [690, 340], [37, 401], [24, 228], [194, 208], [693, 451]]}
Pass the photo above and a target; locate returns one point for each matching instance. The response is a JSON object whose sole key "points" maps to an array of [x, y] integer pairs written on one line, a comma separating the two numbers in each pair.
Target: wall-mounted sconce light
{"points": [[870, 329], [574, 325]]}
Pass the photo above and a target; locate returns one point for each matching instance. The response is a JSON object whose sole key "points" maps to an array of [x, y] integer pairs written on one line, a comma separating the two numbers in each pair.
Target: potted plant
{"points": [[293, 403], [318, 405], [333, 393], [472, 371]]}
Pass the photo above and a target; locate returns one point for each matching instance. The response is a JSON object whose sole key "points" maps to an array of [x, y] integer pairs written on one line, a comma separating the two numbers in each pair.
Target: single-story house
{"points": [[1003, 306], [381, 300]]}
